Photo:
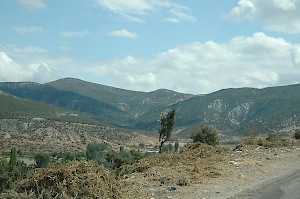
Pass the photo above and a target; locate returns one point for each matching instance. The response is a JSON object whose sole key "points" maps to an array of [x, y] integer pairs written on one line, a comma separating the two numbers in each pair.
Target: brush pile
{"points": [[72, 180]]}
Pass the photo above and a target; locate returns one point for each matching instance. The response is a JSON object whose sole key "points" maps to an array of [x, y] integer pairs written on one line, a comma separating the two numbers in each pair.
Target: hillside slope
{"points": [[231, 111]]}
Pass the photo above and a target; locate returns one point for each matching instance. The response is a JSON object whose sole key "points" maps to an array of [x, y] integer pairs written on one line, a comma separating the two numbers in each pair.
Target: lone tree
{"points": [[167, 121]]}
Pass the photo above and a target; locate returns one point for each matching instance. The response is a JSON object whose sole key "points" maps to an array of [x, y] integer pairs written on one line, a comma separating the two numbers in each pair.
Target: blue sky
{"points": [[190, 46]]}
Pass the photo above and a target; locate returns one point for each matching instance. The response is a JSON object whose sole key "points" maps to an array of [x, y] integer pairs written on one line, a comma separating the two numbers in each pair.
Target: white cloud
{"points": [[258, 60], [255, 61], [33, 4], [71, 34], [276, 15], [123, 33], [13, 71], [28, 29], [136, 10]]}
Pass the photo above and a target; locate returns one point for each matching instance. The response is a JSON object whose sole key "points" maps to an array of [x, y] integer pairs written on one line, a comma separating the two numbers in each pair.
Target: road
{"points": [[286, 188]]}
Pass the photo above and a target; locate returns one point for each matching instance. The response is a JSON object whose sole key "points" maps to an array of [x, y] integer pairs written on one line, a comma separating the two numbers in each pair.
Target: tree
{"points": [[42, 160], [205, 135], [297, 135], [167, 121], [12, 165], [96, 151]]}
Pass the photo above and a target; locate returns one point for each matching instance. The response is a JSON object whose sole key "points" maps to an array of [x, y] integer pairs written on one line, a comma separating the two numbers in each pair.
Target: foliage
{"points": [[11, 171], [42, 160], [176, 147], [272, 137], [109, 158], [205, 135], [96, 151], [69, 156], [167, 121], [167, 148], [297, 135]]}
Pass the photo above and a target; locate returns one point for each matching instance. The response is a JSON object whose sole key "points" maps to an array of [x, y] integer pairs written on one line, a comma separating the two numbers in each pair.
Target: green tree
{"points": [[272, 137], [13, 161], [96, 151], [205, 135], [167, 121], [297, 135], [176, 147], [12, 171], [42, 160]]}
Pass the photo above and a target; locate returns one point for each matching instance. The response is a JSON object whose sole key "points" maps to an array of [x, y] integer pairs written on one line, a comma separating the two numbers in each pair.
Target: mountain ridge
{"points": [[228, 110]]}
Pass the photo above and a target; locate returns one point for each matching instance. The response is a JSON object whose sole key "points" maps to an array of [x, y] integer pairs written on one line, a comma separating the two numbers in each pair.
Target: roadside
{"points": [[241, 174], [286, 188]]}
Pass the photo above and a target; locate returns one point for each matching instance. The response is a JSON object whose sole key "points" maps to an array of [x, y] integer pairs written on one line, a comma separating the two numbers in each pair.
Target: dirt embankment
{"points": [[206, 172]]}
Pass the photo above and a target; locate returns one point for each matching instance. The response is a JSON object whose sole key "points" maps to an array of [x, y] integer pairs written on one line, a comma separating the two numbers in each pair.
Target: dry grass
{"points": [[73, 180], [197, 163]]}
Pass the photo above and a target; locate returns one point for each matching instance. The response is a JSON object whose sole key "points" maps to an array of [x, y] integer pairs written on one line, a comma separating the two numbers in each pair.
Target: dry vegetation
{"points": [[72, 180], [197, 163]]}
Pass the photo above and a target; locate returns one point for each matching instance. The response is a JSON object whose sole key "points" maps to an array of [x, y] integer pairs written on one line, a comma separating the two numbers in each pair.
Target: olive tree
{"points": [[167, 121]]}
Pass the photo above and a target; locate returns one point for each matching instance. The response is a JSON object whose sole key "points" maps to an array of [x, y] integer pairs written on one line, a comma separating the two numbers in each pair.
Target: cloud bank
{"points": [[258, 60], [276, 15]]}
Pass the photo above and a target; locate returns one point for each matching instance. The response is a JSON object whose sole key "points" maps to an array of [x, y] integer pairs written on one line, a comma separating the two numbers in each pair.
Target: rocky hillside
{"points": [[232, 111], [236, 110], [40, 134]]}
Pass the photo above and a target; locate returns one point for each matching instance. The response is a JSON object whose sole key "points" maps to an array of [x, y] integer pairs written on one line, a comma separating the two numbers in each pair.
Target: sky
{"points": [[189, 46]]}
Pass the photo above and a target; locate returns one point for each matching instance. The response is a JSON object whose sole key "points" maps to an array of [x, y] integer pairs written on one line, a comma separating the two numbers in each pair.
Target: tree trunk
{"points": [[161, 144]]}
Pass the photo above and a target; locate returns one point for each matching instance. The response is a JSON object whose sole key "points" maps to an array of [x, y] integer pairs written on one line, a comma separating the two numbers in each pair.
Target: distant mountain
{"points": [[235, 110], [20, 108], [229, 110]]}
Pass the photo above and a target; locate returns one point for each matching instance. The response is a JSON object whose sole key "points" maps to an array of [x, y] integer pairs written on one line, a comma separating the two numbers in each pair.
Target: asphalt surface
{"points": [[286, 188]]}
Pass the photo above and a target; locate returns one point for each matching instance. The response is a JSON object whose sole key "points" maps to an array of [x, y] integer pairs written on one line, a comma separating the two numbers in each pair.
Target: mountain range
{"points": [[231, 111]]}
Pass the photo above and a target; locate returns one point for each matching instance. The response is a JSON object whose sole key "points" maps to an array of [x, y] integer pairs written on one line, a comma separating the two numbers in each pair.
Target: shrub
{"points": [[42, 160], [297, 135], [205, 135], [96, 151], [272, 137]]}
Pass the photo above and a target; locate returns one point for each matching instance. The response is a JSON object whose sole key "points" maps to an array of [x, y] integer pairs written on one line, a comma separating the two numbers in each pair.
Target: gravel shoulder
{"points": [[248, 171]]}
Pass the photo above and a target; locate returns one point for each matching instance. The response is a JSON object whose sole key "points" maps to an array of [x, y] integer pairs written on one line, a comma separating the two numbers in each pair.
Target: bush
{"points": [[205, 135], [272, 137], [297, 135], [96, 151], [42, 160]]}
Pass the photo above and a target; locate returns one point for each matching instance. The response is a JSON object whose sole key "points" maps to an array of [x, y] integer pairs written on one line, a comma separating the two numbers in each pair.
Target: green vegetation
{"points": [[99, 103], [176, 147], [297, 135], [12, 171], [205, 135], [109, 158], [68, 156], [272, 137], [167, 121], [42, 160]]}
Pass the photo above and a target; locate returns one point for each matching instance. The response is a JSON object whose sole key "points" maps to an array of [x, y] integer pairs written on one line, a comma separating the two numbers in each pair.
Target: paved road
{"points": [[286, 188]]}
